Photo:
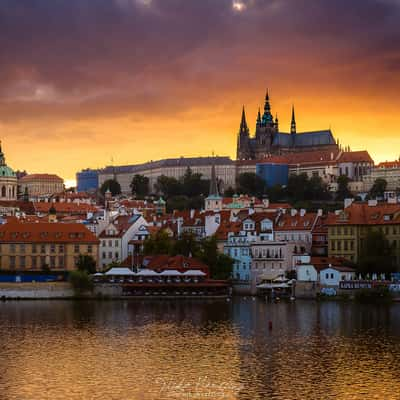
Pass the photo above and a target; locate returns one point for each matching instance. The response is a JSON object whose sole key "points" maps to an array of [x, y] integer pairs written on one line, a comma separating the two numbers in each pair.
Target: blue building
{"points": [[238, 248], [273, 174], [87, 180]]}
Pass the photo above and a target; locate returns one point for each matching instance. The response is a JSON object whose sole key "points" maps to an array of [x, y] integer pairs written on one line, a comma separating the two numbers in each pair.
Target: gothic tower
{"points": [[243, 145], [265, 131]]}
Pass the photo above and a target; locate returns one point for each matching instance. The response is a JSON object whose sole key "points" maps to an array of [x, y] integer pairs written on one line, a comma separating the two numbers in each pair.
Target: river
{"points": [[238, 349]]}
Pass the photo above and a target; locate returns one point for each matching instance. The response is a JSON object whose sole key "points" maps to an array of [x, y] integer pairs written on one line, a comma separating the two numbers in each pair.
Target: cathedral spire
{"points": [[243, 123], [293, 123], [267, 116], [258, 117]]}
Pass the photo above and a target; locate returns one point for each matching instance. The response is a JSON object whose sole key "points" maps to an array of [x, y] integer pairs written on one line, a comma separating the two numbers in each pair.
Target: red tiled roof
{"points": [[17, 232], [355, 156], [336, 262], [389, 164], [226, 228], [179, 262], [64, 208], [47, 177], [363, 214], [287, 222]]}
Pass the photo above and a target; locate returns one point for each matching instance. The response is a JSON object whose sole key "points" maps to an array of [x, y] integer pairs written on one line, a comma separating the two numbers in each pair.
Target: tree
{"points": [[229, 192], [376, 254], [378, 188], [86, 263], [168, 186], [112, 185], [192, 184], [220, 265], [80, 281], [251, 184], [343, 191], [297, 187], [177, 203], [140, 186], [317, 189], [160, 243], [187, 245]]}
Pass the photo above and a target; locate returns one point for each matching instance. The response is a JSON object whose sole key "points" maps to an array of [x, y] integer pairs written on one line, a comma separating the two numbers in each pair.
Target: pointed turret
{"points": [[258, 123], [276, 122], [293, 123], [243, 123], [267, 118]]}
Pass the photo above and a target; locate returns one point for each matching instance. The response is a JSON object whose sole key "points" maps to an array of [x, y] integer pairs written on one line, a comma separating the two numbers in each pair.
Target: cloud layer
{"points": [[144, 79]]}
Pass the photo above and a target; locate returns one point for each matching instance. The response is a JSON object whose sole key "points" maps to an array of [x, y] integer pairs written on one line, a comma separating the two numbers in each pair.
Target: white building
{"points": [[332, 276], [114, 240]]}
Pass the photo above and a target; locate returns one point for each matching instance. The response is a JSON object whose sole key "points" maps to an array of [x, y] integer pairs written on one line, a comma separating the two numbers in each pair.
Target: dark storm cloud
{"points": [[102, 56]]}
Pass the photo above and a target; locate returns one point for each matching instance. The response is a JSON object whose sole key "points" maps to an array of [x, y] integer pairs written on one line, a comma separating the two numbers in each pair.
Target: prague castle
{"points": [[268, 140]]}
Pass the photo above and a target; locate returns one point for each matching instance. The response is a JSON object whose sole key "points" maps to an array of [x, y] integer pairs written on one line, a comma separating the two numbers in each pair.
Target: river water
{"points": [[131, 350]]}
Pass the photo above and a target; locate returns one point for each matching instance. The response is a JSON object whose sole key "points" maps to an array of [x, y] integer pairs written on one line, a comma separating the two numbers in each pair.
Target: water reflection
{"points": [[198, 349]]}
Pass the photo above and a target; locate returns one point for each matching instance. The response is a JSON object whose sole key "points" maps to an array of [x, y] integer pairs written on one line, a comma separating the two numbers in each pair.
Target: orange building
{"points": [[42, 245]]}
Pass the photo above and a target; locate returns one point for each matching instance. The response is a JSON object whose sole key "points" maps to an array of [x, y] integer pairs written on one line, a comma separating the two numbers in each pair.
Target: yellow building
{"points": [[36, 246], [348, 228]]}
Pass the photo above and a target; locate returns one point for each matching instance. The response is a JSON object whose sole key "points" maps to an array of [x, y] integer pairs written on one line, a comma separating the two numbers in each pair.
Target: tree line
{"points": [[189, 191]]}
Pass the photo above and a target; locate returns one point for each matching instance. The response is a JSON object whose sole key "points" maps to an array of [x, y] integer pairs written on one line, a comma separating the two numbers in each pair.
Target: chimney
{"points": [[372, 203], [319, 212], [266, 202], [302, 212], [293, 212], [192, 214]]}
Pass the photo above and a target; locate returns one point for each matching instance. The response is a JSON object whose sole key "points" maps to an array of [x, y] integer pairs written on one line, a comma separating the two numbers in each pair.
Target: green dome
{"points": [[6, 171]]}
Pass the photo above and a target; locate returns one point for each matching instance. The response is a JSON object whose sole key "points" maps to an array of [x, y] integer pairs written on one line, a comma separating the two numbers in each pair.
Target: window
{"points": [[52, 262], [76, 248], [110, 254], [104, 255], [22, 261], [117, 255], [43, 248], [34, 262], [22, 247], [34, 248], [61, 261], [116, 243], [89, 248], [12, 261], [103, 243], [43, 261], [110, 243], [12, 248], [52, 248], [332, 276], [61, 248]]}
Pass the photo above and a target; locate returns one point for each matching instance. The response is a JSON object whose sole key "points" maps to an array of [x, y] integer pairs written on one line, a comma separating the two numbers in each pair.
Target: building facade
{"points": [[37, 246], [87, 180], [348, 228], [173, 167], [41, 184]]}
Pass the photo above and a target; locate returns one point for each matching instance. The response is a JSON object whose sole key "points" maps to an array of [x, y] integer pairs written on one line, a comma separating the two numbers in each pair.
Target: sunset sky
{"points": [[86, 81]]}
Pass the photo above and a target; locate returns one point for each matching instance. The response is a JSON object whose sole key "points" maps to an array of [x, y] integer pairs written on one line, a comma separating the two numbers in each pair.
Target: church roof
{"points": [[304, 139]]}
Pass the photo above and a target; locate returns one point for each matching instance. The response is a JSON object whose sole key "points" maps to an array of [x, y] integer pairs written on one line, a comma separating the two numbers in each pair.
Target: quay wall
{"points": [[36, 290]]}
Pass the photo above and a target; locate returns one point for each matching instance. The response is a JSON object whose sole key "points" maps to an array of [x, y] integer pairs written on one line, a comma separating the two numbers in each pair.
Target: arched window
{"points": [[13, 191], [3, 191]]}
